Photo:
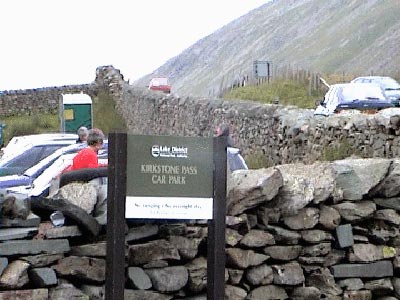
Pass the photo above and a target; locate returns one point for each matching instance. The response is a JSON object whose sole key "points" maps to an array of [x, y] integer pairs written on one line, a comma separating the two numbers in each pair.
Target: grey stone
{"points": [[268, 215], [98, 249], [62, 232], [380, 287], [145, 295], [235, 275], [344, 235], [361, 295], [288, 274], [356, 177], [156, 264], [240, 223], [329, 217], [34, 247], [66, 291], [378, 269], [3, 264], [138, 279], [17, 233], [85, 269], [34, 294], [284, 236], [142, 232], [305, 218], [283, 252], [154, 250], [43, 277], [351, 284], [356, 211], [267, 292], [324, 281], [187, 248], [311, 260], [234, 293], [305, 293], [249, 189], [197, 271], [15, 275], [390, 186], [260, 275], [393, 203], [42, 260], [334, 257], [305, 183], [31, 221], [83, 195], [388, 215], [316, 236], [257, 238], [396, 286], [232, 237], [242, 259], [370, 252], [169, 279], [320, 249], [94, 292]]}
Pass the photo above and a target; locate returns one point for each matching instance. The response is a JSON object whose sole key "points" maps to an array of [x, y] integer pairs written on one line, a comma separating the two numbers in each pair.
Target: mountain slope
{"points": [[335, 36]]}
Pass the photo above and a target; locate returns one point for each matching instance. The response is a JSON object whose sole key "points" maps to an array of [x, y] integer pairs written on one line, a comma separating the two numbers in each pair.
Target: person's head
{"points": [[222, 130], [95, 138], [83, 133]]}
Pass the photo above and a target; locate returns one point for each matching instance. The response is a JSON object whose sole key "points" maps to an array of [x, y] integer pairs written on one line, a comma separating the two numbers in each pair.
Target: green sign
{"points": [[169, 177]]}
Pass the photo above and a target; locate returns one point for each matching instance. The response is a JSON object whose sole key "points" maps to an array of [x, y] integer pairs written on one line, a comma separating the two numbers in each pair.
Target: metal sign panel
{"points": [[169, 177]]}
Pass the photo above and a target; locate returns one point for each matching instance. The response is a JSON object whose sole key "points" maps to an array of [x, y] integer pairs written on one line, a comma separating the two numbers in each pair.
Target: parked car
{"points": [[389, 85], [358, 96], [160, 84], [36, 180], [48, 141]]}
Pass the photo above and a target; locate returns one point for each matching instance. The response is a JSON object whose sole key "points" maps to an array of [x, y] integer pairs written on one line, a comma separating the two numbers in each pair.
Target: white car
{"points": [[37, 179], [20, 144], [390, 86], [353, 96]]}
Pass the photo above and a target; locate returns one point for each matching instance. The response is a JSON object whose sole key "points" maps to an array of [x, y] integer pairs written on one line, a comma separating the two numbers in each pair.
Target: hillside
{"points": [[335, 36]]}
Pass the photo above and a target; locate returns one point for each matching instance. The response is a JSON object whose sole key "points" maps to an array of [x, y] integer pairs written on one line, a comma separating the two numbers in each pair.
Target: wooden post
{"points": [[115, 263], [216, 226]]}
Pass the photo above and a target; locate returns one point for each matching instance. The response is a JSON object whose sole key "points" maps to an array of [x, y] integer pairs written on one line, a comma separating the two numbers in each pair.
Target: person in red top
{"points": [[87, 157]]}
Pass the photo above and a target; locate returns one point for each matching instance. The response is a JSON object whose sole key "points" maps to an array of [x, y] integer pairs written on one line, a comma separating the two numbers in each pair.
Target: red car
{"points": [[160, 84]]}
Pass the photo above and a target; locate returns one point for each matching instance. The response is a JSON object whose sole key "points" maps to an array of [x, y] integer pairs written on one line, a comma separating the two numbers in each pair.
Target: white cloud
{"points": [[52, 43]]}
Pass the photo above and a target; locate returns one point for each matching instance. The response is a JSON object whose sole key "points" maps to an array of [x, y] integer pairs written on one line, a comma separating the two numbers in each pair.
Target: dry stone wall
{"points": [[320, 231], [44, 100], [272, 133]]}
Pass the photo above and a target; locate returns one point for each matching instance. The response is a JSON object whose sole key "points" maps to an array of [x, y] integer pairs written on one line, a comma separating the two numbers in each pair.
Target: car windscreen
{"points": [[352, 93], [27, 159]]}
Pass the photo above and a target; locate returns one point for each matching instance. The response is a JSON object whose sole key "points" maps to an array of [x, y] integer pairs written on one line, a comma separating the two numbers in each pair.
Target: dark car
{"points": [[353, 96], [388, 84]]}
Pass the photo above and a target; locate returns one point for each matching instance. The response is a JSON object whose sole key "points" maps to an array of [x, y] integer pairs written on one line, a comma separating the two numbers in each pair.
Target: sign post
{"points": [[166, 177]]}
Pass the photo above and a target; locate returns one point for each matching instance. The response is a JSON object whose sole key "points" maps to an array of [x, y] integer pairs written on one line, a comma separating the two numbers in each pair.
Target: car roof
{"points": [[19, 143]]}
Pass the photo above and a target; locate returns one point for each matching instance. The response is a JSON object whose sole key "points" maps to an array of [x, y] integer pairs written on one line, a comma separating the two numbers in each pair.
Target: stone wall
{"points": [[273, 134], [43, 100], [320, 231]]}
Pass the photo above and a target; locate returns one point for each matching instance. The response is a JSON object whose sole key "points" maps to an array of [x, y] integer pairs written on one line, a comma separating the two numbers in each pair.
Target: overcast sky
{"points": [[62, 42]]}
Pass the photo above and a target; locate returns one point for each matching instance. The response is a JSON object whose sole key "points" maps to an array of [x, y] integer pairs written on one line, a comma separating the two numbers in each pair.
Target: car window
{"points": [[30, 157]]}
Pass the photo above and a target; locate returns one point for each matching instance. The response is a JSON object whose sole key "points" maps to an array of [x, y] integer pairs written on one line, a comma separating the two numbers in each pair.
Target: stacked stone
{"points": [[320, 231], [43, 100]]}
